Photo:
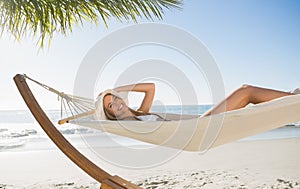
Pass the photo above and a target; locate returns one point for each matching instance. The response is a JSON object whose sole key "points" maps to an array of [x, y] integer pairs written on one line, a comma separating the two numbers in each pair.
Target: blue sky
{"points": [[252, 41]]}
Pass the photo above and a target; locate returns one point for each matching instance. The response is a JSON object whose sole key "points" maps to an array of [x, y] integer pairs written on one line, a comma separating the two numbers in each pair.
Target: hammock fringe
{"points": [[71, 105]]}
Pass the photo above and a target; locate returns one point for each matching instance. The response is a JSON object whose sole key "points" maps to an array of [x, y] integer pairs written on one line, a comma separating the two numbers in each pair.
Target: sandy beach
{"points": [[242, 164]]}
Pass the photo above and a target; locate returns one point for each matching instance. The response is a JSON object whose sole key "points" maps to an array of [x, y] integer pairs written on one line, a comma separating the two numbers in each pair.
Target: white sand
{"points": [[251, 164]]}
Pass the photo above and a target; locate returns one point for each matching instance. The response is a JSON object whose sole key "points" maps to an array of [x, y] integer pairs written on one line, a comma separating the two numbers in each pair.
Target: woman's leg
{"points": [[245, 95]]}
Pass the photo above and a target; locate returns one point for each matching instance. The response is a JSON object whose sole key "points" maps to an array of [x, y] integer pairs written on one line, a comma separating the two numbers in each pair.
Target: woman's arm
{"points": [[147, 88]]}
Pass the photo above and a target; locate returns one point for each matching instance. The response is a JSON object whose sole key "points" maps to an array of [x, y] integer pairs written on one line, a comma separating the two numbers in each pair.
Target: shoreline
{"points": [[35, 139], [246, 164]]}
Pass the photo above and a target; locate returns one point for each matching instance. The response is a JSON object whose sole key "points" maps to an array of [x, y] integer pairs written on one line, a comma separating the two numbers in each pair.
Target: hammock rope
{"points": [[70, 104]]}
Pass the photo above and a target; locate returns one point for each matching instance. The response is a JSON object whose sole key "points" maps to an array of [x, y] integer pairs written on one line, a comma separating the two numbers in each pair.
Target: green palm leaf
{"points": [[44, 18]]}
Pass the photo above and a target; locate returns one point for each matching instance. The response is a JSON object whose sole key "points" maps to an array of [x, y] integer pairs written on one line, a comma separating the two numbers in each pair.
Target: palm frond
{"points": [[44, 18]]}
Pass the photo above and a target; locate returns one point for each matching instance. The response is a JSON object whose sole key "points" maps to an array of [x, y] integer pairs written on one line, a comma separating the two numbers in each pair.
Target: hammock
{"points": [[188, 132]]}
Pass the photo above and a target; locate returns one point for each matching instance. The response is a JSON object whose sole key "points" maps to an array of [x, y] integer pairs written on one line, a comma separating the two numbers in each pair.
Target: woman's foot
{"points": [[295, 91]]}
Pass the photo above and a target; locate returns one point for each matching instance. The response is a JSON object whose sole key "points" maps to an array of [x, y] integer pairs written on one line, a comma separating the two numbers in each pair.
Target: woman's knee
{"points": [[246, 86], [245, 90]]}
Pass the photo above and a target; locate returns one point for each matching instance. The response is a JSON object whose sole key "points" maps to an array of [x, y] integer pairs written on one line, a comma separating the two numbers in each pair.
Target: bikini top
{"points": [[150, 117]]}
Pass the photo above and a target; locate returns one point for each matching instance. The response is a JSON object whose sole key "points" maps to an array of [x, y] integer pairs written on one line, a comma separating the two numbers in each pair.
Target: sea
{"points": [[19, 132]]}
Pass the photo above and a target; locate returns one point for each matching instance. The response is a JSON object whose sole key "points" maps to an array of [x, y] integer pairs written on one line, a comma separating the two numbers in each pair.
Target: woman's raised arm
{"points": [[147, 88]]}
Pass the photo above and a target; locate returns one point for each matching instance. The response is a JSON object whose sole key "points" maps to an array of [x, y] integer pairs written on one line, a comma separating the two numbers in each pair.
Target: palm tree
{"points": [[44, 18]]}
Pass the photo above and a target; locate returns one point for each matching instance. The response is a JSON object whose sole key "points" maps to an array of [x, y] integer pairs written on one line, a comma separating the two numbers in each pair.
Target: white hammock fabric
{"points": [[199, 134], [188, 132]]}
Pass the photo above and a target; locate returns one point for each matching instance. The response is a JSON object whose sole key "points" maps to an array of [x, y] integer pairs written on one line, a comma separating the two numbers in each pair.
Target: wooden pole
{"points": [[66, 120], [72, 153]]}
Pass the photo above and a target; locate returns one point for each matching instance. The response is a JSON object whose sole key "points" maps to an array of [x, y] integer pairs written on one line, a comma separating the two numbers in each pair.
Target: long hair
{"points": [[135, 113]]}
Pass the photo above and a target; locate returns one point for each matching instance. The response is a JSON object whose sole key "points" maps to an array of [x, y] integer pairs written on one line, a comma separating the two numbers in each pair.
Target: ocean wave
{"points": [[75, 131], [297, 124], [7, 133], [9, 143]]}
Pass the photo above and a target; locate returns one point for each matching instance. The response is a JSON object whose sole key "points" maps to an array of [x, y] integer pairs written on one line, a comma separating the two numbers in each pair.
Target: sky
{"points": [[252, 41]]}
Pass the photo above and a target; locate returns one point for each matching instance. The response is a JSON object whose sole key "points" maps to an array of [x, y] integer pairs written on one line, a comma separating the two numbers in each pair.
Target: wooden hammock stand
{"points": [[107, 181]]}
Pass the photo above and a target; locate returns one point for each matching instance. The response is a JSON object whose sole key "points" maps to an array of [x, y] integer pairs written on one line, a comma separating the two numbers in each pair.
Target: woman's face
{"points": [[115, 106]]}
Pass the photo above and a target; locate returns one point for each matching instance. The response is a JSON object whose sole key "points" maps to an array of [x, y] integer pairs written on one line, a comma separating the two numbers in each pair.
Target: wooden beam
{"points": [[71, 152], [66, 120]]}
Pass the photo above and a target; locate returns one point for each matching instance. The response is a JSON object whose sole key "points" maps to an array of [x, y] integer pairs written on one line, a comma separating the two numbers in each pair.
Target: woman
{"points": [[111, 106]]}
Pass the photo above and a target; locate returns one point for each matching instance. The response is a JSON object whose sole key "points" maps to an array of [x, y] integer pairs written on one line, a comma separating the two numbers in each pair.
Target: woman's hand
{"points": [[147, 88]]}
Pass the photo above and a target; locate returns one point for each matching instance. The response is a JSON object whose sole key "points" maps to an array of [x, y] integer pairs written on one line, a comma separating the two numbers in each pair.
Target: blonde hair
{"points": [[136, 113], [111, 116]]}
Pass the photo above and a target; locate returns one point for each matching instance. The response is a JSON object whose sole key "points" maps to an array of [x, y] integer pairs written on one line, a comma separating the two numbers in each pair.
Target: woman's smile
{"points": [[120, 107], [115, 106]]}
